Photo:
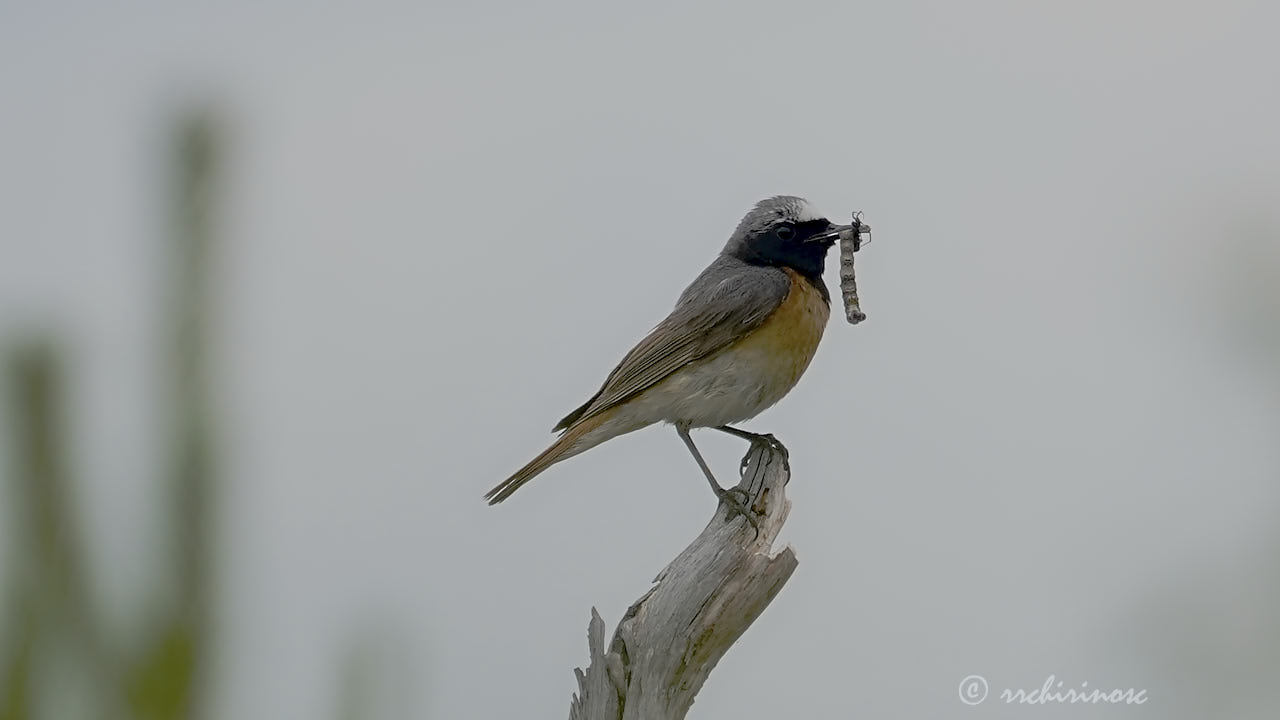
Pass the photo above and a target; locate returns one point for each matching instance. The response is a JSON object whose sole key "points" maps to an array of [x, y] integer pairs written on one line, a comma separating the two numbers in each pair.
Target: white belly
{"points": [[728, 388]]}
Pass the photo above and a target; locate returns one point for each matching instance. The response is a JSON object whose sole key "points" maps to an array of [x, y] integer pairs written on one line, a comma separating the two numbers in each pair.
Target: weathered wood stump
{"points": [[670, 639]]}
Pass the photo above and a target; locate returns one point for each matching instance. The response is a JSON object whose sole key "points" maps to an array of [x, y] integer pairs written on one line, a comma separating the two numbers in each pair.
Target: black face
{"points": [[789, 244]]}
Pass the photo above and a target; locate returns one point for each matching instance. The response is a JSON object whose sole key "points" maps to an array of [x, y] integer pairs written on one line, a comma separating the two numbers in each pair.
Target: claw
{"points": [[774, 444], [739, 507], [768, 442]]}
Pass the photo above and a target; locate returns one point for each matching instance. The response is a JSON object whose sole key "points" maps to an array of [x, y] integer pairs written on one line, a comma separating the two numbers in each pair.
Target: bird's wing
{"points": [[727, 301]]}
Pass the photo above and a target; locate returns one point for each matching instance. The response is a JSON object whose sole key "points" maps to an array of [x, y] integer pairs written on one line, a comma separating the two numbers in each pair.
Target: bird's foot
{"points": [[768, 442], [773, 443], [729, 498]]}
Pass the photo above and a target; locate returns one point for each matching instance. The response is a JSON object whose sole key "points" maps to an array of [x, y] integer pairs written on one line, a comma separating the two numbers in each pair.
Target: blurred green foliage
{"points": [[55, 641], [57, 656], [54, 626]]}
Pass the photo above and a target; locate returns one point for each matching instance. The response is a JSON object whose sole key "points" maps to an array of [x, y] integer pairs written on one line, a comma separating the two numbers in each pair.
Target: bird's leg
{"points": [[767, 440], [726, 496]]}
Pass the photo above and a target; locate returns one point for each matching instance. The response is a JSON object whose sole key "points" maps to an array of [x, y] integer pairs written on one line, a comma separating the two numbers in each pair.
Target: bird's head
{"points": [[784, 231]]}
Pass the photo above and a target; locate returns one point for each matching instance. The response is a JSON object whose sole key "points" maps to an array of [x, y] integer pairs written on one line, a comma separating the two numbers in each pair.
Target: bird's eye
{"points": [[785, 232]]}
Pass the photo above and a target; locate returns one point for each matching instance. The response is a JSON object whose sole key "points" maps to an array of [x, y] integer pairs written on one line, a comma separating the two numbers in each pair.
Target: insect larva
{"points": [[851, 241]]}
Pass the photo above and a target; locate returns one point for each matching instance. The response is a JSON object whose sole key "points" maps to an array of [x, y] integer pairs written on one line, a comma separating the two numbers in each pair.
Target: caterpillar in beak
{"points": [[851, 240]]}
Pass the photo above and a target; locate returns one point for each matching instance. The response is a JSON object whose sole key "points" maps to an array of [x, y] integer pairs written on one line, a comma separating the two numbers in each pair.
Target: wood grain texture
{"points": [[672, 637]]}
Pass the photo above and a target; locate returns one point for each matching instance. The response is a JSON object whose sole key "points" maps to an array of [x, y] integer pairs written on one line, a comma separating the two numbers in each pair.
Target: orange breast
{"points": [[788, 339]]}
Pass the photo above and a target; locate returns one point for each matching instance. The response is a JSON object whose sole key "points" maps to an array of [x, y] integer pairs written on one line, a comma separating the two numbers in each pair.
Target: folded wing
{"points": [[728, 301]]}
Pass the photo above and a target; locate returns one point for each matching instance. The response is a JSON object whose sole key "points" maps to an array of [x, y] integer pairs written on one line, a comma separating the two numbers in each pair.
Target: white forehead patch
{"points": [[806, 212]]}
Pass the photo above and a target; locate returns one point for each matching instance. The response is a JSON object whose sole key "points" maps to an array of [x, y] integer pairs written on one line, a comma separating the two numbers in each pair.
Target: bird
{"points": [[738, 340]]}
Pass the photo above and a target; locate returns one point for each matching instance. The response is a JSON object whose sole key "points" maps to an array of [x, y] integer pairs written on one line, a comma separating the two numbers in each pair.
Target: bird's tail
{"points": [[574, 440]]}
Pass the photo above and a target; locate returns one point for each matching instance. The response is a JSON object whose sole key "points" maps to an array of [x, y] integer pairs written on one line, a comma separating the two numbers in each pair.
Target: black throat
{"points": [[817, 281], [806, 257]]}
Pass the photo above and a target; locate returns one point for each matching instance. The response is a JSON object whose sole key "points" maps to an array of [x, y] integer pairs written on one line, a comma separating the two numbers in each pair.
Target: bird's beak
{"points": [[861, 232], [830, 235]]}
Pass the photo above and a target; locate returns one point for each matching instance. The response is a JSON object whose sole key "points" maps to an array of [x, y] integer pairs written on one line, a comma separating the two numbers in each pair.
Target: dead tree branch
{"points": [[672, 637]]}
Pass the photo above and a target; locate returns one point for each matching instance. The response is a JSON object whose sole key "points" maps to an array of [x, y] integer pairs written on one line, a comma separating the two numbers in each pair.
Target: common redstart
{"points": [[739, 338]]}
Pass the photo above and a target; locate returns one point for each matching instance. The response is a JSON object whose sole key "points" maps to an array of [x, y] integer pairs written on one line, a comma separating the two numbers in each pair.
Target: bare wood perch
{"points": [[672, 637]]}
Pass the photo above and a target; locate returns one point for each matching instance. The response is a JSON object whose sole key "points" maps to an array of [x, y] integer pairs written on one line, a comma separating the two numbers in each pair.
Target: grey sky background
{"points": [[1050, 449]]}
